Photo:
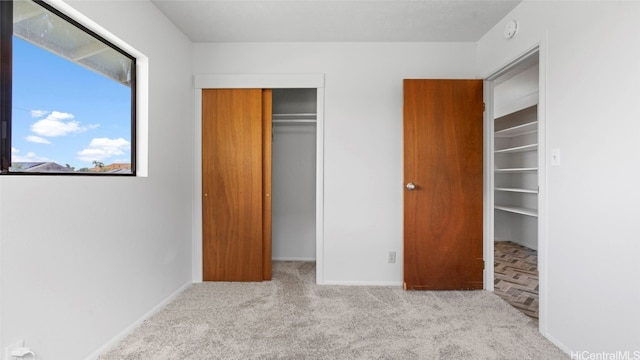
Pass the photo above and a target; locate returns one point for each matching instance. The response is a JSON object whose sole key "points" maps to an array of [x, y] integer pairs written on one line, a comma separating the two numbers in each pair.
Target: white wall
{"points": [[363, 136], [84, 258], [590, 88], [293, 192]]}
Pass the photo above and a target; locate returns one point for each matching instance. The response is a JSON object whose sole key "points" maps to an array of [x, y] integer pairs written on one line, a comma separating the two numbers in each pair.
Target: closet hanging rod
{"points": [[295, 116], [293, 121]]}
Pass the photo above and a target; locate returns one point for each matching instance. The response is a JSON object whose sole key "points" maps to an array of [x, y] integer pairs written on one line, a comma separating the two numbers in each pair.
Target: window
{"points": [[67, 96]]}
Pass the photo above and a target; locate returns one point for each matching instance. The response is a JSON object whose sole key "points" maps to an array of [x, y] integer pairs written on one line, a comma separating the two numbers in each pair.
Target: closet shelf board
{"points": [[523, 129], [523, 148], [515, 170], [518, 190], [518, 210]]}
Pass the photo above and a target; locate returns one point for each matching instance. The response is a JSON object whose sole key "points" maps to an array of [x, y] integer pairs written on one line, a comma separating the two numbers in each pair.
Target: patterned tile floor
{"points": [[516, 276]]}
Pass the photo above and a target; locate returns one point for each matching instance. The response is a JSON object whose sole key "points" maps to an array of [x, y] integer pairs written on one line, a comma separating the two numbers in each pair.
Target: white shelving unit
{"points": [[515, 154], [516, 142]]}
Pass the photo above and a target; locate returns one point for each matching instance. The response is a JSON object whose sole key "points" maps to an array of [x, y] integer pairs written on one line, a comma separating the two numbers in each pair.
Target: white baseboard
{"points": [[129, 329], [557, 343]]}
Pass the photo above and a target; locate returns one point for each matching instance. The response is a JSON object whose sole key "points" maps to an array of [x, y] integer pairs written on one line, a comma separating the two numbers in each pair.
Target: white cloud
{"points": [[30, 157], [103, 148], [37, 139], [60, 115], [57, 124], [38, 113]]}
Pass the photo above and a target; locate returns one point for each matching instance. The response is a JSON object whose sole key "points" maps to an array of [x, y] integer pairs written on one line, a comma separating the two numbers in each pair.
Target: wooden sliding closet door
{"points": [[236, 184], [443, 198]]}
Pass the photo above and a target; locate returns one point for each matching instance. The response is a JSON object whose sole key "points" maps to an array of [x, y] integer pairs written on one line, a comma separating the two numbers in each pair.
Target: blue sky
{"points": [[65, 113]]}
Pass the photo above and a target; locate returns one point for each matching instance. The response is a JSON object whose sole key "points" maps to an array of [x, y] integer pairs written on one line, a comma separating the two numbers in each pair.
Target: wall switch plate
{"points": [[9, 348], [555, 157], [392, 257]]}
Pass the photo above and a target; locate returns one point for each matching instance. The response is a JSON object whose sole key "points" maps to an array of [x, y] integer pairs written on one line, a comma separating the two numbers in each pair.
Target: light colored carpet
{"points": [[292, 318]]}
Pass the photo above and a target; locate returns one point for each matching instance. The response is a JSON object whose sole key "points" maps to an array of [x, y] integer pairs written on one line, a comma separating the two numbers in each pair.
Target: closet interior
{"points": [[294, 174], [516, 155], [515, 159]]}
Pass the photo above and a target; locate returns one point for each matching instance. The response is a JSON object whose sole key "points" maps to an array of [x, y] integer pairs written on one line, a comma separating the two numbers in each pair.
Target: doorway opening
{"points": [[515, 153], [294, 175]]}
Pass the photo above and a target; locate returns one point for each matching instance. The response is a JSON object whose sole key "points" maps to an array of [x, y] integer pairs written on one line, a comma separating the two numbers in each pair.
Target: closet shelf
{"points": [[518, 190], [515, 170], [295, 116], [518, 210], [523, 129], [523, 148]]}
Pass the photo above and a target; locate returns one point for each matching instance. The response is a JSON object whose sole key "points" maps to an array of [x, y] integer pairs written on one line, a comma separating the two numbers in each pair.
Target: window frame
{"points": [[6, 88]]}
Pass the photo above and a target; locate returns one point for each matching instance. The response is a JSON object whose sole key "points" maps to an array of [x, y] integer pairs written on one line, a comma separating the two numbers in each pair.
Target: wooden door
{"points": [[443, 226], [236, 184]]}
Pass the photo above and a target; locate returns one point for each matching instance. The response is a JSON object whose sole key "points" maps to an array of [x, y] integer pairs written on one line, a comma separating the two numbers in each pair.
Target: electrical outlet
{"points": [[392, 257], [8, 349]]}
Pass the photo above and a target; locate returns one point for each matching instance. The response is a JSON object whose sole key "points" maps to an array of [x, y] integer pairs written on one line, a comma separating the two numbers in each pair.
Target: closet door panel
{"points": [[232, 184], [267, 170]]}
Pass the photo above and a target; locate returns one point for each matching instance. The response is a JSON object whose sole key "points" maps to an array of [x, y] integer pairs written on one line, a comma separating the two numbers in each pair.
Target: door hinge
{"points": [[484, 107]]}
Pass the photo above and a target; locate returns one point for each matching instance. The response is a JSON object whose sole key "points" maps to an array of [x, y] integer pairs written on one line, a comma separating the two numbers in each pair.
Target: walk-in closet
{"points": [[294, 174], [516, 184]]}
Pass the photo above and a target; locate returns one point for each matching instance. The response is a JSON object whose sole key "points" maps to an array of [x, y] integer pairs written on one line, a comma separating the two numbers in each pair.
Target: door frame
{"points": [[489, 275], [256, 81]]}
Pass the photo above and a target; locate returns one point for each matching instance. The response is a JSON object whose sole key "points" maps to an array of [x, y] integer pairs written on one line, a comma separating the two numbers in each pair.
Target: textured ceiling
{"points": [[335, 20]]}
